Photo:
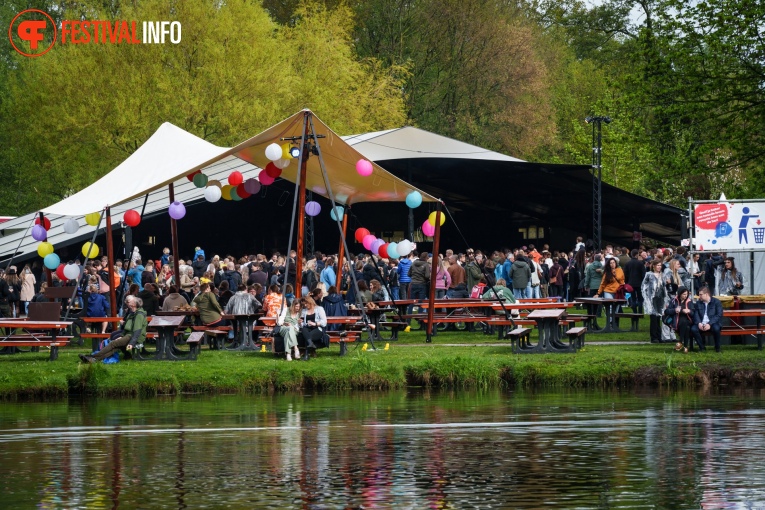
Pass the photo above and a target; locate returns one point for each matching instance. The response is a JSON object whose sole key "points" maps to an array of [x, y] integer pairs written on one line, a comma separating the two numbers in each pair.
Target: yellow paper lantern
{"points": [[93, 219], [225, 192], [432, 218], [89, 252], [44, 248], [286, 151]]}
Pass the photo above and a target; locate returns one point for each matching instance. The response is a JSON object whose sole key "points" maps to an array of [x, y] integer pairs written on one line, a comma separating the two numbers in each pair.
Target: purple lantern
{"points": [[39, 233], [251, 186], [177, 210], [312, 208], [376, 246], [368, 240]]}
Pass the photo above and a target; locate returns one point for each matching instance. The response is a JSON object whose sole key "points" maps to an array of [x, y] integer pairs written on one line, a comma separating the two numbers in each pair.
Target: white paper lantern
{"points": [[274, 152], [282, 163], [404, 248], [71, 226], [72, 271], [212, 193]]}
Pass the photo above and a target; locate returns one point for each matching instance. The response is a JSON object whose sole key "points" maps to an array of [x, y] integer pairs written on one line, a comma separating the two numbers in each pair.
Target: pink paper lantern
{"points": [[364, 167], [368, 240], [428, 229], [265, 179]]}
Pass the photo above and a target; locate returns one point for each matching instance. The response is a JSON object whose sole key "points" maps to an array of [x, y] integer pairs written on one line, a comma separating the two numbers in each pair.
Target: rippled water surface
{"points": [[379, 450]]}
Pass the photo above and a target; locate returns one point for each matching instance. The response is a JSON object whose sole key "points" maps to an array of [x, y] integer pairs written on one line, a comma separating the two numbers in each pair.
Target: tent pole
{"points": [[433, 273], [110, 256], [341, 254], [174, 235], [301, 222]]}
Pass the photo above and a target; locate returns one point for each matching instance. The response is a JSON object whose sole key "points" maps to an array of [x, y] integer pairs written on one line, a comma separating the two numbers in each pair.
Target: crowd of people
{"points": [[655, 281]]}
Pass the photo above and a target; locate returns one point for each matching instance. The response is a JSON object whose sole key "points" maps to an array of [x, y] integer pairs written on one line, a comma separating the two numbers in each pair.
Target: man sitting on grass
{"points": [[133, 332]]}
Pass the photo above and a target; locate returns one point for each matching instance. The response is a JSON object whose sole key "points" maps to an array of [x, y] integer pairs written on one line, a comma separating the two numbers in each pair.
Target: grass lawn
{"points": [[410, 361]]}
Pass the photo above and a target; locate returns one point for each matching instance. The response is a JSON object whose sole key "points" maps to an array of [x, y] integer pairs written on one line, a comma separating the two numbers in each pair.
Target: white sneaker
{"points": [[289, 358]]}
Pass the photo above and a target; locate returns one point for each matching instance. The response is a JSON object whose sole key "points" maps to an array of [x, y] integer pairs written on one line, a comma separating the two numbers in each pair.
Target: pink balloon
{"points": [[265, 179], [364, 167], [368, 240], [428, 229]]}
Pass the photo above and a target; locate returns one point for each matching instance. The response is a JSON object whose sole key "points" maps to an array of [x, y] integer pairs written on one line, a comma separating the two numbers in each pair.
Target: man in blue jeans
{"points": [[707, 316]]}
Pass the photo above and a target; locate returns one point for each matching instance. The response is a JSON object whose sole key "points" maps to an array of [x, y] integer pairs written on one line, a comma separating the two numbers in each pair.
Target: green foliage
{"points": [[74, 114]]}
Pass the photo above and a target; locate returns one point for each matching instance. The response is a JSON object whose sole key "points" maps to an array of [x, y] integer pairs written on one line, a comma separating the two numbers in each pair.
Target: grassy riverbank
{"points": [[471, 365]]}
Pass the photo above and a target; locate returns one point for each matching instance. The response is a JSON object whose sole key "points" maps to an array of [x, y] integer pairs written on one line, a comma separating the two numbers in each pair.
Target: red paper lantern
{"points": [[131, 218], [60, 272], [190, 177], [235, 179], [383, 251], [46, 224], [361, 233], [241, 192], [273, 171]]}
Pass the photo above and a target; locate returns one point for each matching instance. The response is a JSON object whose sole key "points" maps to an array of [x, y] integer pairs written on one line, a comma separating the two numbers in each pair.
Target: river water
{"points": [[408, 449]]}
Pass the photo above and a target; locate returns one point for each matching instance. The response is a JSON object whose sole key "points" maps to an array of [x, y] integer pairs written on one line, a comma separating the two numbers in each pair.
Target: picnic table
{"points": [[36, 334], [549, 333], [244, 323], [742, 329], [166, 328], [374, 315], [609, 307]]}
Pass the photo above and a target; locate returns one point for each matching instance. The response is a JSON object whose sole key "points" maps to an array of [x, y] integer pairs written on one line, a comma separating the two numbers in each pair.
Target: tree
{"points": [[72, 115]]}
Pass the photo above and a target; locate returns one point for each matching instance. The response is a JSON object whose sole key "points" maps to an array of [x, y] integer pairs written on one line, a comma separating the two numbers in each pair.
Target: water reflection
{"points": [[404, 449]]}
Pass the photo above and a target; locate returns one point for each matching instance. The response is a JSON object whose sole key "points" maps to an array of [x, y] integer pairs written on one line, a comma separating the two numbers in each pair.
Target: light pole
{"points": [[597, 174]]}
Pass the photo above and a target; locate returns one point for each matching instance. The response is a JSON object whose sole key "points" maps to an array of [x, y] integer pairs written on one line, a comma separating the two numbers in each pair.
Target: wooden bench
{"points": [[739, 331], [193, 341], [35, 342], [95, 338], [634, 317], [334, 338], [519, 338], [576, 336]]}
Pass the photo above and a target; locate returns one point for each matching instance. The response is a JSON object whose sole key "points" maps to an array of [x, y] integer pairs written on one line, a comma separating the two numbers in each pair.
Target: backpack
{"points": [[114, 358]]}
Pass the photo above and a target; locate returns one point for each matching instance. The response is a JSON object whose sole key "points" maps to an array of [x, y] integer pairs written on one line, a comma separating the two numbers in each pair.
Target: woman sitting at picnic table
{"points": [[314, 324], [273, 301], [378, 291], [288, 326], [133, 332], [503, 293], [97, 305], [364, 294], [208, 306]]}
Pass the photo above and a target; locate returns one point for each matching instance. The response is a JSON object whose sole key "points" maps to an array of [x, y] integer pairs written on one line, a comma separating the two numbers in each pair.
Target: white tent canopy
{"points": [[172, 153], [411, 142]]}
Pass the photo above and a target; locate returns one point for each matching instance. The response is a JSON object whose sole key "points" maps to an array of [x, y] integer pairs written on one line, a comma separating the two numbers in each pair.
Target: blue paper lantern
{"points": [[51, 261], [414, 199], [392, 253], [337, 213]]}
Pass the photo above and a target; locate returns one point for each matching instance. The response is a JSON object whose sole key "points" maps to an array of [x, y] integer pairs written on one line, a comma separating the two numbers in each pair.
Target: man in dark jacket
{"points": [[149, 299], [520, 274], [232, 276], [634, 272], [710, 265], [420, 274], [707, 316], [200, 266]]}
